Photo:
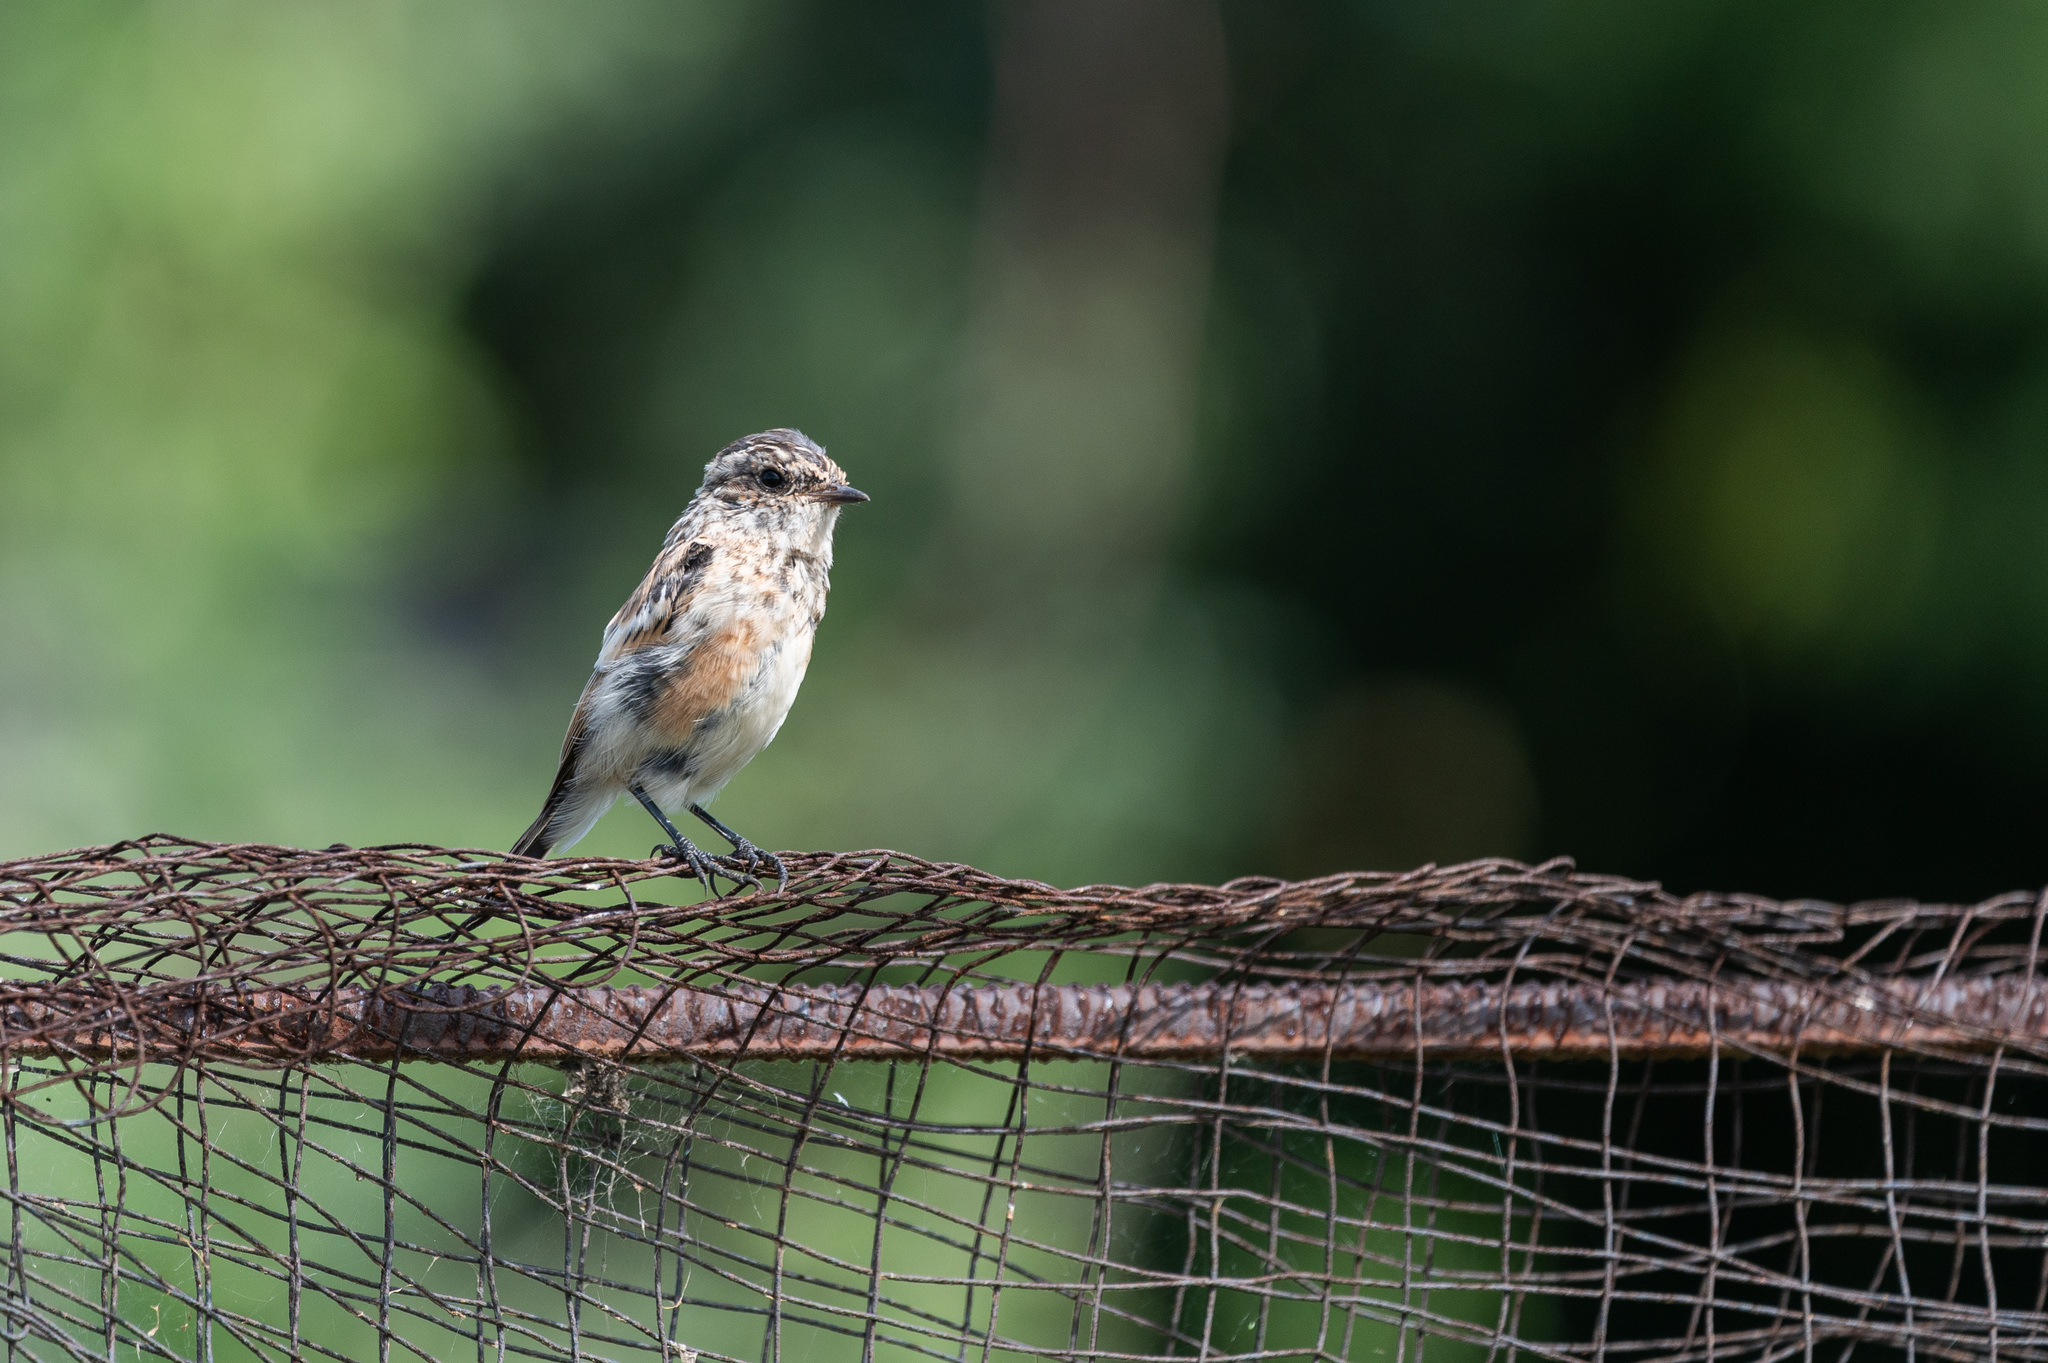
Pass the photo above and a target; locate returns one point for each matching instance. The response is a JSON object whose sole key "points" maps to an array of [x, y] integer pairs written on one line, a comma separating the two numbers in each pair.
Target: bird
{"points": [[700, 666]]}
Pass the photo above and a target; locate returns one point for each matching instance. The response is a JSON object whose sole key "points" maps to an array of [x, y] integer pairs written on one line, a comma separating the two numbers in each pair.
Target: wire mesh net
{"points": [[268, 1103]]}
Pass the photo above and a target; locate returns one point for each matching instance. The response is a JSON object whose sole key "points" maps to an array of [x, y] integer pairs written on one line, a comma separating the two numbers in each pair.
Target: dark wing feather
{"points": [[650, 613]]}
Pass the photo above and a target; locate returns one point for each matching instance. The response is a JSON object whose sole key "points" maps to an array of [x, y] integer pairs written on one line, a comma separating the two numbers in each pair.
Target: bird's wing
{"points": [[663, 597], [653, 614]]}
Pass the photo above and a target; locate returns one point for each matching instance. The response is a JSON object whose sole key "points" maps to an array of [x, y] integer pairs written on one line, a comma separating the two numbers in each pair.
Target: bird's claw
{"points": [[751, 859], [739, 872], [702, 866]]}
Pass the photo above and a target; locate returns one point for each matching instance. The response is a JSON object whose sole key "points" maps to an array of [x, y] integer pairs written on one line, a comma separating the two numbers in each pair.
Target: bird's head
{"points": [[780, 480]]}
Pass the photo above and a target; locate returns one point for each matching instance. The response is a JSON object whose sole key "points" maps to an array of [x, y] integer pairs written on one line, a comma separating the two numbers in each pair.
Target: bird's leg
{"points": [[744, 851], [701, 866]]}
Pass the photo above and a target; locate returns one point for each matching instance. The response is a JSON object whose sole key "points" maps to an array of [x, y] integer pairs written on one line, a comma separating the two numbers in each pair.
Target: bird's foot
{"points": [[751, 859], [745, 859], [703, 866]]}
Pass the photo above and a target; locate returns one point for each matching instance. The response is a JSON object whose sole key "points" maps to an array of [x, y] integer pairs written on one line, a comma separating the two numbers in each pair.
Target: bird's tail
{"points": [[535, 842], [545, 832], [541, 836], [571, 810]]}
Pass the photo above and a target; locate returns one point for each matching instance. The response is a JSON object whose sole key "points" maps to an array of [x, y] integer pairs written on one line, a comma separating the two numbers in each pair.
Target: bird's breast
{"points": [[763, 703], [744, 671], [708, 679]]}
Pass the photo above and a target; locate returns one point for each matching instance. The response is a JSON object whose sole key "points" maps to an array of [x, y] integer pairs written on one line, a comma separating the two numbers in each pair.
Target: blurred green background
{"points": [[1305, 437]]}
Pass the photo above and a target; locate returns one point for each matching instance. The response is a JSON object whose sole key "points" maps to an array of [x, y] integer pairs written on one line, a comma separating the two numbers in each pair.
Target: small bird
{"points": [[700, 666]]}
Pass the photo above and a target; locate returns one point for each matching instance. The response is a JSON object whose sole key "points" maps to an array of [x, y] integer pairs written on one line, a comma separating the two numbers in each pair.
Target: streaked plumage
{"points": [[700, 666]]}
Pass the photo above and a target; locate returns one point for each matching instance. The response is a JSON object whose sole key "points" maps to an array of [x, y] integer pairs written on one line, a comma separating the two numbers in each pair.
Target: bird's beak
{"points": [[839, 494]]}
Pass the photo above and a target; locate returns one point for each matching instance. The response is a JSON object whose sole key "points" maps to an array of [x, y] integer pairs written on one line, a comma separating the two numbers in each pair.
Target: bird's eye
{"points": [[773, 479]]}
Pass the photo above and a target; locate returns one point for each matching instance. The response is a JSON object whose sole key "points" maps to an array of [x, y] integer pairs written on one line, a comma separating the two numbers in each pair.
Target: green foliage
{"points": [[1655, 390]]}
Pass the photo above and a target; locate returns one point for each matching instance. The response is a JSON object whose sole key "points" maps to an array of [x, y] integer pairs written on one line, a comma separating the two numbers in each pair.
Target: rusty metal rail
{"points": [[1353, 1021]]}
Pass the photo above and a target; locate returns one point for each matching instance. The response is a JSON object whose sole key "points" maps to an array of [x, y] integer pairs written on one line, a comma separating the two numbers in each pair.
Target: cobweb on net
{"points": [[265, 1102]]}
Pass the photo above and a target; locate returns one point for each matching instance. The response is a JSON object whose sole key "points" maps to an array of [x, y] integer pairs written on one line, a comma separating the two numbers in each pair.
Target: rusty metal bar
{"points": [[1293, 1021]]}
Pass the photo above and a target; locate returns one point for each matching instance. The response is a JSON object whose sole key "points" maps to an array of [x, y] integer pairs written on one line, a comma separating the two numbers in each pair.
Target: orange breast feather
{"points": [[712, 677]]}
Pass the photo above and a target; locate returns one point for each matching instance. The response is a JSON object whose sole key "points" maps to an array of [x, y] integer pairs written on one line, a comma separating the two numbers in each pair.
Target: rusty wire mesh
{"points": [[271, 1103]]}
